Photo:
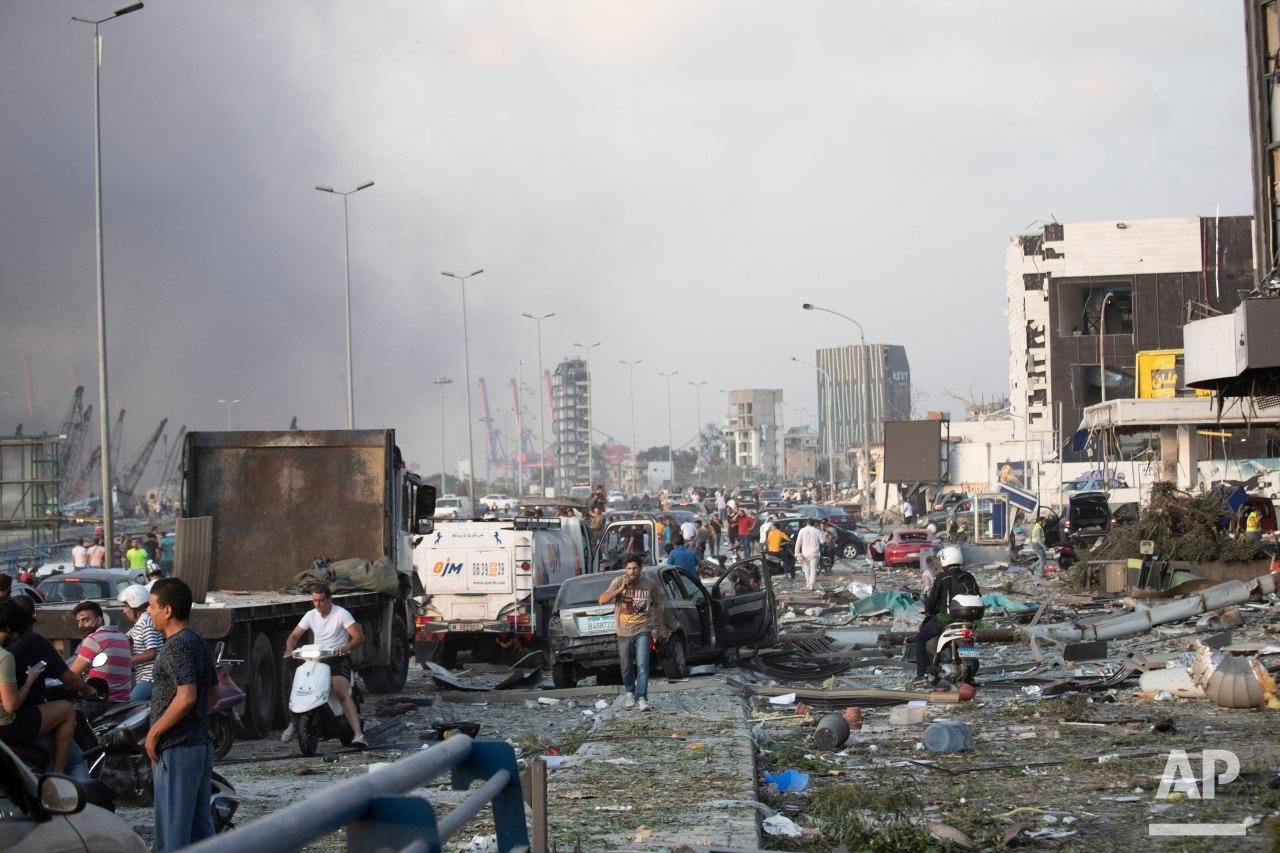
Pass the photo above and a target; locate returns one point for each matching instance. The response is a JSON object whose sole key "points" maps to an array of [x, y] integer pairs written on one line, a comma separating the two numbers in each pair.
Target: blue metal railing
{"points": [[378, 815]]}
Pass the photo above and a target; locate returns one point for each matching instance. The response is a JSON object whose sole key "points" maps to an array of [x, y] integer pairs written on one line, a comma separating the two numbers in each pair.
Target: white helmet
{"points": [[950, 556], [134, 595]]}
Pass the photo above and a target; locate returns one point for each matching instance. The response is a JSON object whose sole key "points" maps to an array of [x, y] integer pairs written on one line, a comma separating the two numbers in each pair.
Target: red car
{"points": [[904, 546]]}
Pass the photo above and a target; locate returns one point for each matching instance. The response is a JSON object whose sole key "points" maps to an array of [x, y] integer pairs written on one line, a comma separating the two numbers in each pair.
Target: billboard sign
{"points": [[913, 451]]}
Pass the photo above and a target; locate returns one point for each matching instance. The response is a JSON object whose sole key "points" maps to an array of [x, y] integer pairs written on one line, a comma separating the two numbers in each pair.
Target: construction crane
{"points": [[70, 421], [75, 465], [169, 466], [90, 466], [116, 442], [128, 481]]}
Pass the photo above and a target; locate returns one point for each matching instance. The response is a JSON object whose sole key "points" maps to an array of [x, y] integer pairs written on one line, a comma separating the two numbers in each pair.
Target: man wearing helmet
{"points": [[952, 581], [145, 639]]}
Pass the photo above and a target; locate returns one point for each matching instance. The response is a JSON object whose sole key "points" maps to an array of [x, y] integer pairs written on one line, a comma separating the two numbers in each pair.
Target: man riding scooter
{"points": [[332, 627], [953, 580]]}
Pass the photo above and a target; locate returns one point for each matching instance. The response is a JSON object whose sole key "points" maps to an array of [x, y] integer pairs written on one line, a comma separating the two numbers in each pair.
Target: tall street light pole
{"points": [[466, 352], [864, 470], [346, 260], [542, 406], [591, 467], [631, 379], [831, 433], [671, 458], [442, 381], [229, 404], [104, 410], [697, 402]]}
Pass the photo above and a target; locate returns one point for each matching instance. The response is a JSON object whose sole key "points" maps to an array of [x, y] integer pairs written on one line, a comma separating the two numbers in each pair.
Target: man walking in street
{"points": [[144, 640], [809, 551], [638, 615], [333, 627], [80, 554], [136, 555], [102, 638], [683, 558], [178, 744], [1037, 546]]}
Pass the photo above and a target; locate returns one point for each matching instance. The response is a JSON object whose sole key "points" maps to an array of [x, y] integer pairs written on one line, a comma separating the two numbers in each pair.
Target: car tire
{"points": [[564, 675], [676, 664]]}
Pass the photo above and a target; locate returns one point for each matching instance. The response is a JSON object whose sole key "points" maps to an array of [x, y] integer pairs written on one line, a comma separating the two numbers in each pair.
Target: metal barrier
{"points": [[379, 816]]}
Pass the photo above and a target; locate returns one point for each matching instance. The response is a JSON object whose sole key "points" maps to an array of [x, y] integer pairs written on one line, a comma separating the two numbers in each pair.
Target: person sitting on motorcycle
{"points": [[333, 627], [953, 580], [144, 640], [99, 637], [22, 724]]}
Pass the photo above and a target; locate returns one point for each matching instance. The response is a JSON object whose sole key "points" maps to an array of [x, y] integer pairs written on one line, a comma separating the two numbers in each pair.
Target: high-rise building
{"points": [[890, 393], [753, 437], [570, 404], [1140, 277]]}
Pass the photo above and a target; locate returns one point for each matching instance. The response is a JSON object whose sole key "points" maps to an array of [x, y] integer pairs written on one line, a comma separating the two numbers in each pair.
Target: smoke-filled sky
{"points": [[672, 179]]}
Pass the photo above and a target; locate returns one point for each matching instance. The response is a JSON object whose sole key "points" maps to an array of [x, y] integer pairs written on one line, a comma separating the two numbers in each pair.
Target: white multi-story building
{"points": [[753, 433]]}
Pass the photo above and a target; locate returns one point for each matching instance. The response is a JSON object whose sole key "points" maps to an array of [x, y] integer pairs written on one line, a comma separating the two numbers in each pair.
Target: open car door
{"points": [[632, 535], [743, 606]]}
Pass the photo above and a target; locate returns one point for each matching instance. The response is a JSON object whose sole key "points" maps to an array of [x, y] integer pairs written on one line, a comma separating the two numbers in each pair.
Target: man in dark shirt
{"points": [[185, 691]]}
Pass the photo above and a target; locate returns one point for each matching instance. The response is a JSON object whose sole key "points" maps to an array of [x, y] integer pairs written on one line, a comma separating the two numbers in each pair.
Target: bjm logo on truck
{"points": [[447, 567]]}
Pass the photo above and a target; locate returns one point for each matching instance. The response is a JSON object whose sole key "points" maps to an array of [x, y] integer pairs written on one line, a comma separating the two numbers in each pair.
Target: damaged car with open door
{"points": [[709, 622]]}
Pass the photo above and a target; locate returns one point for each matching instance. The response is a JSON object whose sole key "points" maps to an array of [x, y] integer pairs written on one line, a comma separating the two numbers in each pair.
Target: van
{"points": [[452, 508]]}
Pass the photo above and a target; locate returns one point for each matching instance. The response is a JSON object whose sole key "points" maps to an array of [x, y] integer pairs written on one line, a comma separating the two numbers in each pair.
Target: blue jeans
{"points": [[141, 692], [929, 629], [633, 653], [76, 768], [1041, 558], [182, 788]]}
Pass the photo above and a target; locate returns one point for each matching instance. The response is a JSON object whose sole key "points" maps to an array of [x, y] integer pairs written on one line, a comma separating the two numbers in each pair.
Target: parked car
{"points": [[946, 500], [1085, 518], [849, 545], [772, 499], [49, 812], [707, 624], [616, 500], [500, 504], [747, 499], [833, 514], [1125, 513], [100, 584], [1092, 482], [904, 545]]}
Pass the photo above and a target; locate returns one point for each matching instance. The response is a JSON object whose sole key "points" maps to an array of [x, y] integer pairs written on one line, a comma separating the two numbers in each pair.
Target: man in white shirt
{"points": [[333, 627], [80, 554], [808, 550], [689, 530], [765, 527]]}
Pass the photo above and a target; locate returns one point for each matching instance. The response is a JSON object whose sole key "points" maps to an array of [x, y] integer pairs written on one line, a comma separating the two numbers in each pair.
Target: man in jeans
{"points": [[185, 690], [637, 613], [144, 640]]}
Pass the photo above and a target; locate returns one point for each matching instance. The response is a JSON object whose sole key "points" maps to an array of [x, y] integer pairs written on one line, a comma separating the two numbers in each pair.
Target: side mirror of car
{"points": [[60, 794]]}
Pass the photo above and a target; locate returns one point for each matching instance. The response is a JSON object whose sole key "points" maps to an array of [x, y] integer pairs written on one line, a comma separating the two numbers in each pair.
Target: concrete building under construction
{"points": [[570, 422]]}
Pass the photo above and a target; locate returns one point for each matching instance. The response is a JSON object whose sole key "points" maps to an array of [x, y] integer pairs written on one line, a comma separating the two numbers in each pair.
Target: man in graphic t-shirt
{"points": [[637, 613], [333, 627]]}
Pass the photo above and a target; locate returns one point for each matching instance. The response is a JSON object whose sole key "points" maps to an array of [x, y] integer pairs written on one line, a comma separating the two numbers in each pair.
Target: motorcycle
{"points": [[125, 767], [953, 655], [317, 715], [225, 723]]}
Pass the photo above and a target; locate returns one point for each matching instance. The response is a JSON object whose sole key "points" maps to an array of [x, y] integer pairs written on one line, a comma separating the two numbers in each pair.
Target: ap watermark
{"points": [[1180, 776]]}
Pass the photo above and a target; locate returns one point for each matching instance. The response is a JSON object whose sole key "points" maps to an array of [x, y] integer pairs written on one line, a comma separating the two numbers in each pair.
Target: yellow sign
{"points": [[1159, 374]]}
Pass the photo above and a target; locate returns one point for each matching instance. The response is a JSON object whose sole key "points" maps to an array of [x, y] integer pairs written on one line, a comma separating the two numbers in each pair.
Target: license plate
{"points": [[968, 652], [591, 625]]}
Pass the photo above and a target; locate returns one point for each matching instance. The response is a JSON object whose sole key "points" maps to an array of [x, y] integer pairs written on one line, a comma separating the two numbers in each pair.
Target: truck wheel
{"points": [[676, 664], [447, 654], [564, 675], [391, 678], [261, 690]]}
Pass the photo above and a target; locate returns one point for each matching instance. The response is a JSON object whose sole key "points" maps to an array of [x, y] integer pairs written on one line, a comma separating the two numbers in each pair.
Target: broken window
{"points": [[1081, 304], [1053, 231], [1031, 244], [1033, 281], [1087, 382]]}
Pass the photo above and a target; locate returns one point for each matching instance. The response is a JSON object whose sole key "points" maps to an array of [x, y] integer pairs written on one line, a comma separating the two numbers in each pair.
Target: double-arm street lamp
{"points": [[466, 358], [442, 381], [864, 470], [104, 411], [831, 430], [346, 260], [229, 404], [671, 463]]}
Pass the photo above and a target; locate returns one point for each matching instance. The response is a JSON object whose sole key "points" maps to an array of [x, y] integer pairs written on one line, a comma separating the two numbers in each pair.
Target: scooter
{"points": [[125, 768], [224, 722], [316, 712], [953, 654]]}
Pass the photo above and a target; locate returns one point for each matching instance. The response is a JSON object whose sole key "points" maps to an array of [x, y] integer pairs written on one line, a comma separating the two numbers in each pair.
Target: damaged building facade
{"points": [[753, 433], [570, 419], [1084, 298]]}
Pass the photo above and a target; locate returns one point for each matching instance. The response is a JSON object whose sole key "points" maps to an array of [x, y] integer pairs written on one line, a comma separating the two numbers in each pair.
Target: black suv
{"points": [[1086, 518]]}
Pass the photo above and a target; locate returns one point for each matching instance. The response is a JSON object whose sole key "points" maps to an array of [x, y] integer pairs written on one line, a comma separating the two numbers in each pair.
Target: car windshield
{"points": [[830, 512], [75, 589], [680, 516], [913, 536], [770, 496]]}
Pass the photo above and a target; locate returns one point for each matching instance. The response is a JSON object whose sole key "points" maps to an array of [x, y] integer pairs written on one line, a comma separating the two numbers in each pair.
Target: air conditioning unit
{"points": [[1227, 352]]}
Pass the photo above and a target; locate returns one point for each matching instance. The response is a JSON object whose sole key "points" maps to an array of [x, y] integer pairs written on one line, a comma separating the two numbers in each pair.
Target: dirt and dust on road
{"points": [[1061, 755]]}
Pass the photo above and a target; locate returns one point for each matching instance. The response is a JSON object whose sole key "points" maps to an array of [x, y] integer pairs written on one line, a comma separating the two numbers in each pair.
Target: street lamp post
{"points": [[671, 459], [864, 470], [697, 402], [104, 419], [466, 358], [442, 381], [591, 467], [831, 435], [631, 379], [229, 404], [542, 406], [346, 260], [1102, 361]]}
